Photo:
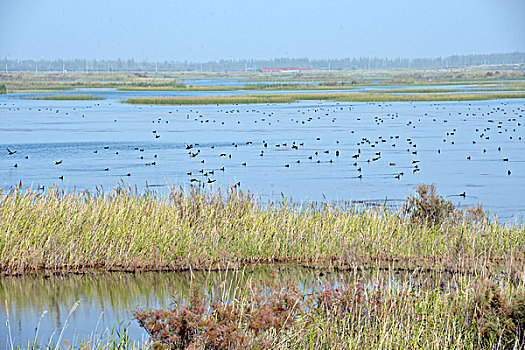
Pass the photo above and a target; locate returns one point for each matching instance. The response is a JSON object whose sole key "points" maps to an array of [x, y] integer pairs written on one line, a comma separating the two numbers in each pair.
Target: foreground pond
{"points": [[106, 300], [309, 151]]}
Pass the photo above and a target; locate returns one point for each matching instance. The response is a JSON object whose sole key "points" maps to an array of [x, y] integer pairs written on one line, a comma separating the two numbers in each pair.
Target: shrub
{"points": [[427, 206], [223, 326], [498, 320], [3, 89]]}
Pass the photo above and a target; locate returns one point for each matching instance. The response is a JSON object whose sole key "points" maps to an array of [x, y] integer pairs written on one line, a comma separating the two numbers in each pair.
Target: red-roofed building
{"points": [[293, 69]]}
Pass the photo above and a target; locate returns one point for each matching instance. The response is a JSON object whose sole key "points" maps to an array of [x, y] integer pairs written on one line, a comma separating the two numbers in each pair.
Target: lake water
{"points": [[460, 146]]}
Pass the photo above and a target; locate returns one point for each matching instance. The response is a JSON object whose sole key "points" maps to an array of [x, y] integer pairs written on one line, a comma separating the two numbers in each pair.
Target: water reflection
{"points": [[106, 299]]}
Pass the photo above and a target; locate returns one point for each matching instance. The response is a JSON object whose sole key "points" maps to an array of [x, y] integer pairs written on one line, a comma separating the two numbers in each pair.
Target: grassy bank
{"points": [[124, 230], [68, 98], [339, 97]]}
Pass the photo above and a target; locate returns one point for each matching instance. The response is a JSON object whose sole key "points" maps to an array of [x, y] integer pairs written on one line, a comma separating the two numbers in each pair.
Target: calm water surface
{"points": [[106, 300], [304, 150]]}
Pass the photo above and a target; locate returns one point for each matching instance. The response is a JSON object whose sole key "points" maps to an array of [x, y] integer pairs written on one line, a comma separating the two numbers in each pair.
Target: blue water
{"points": [[71, 132], [124, 140]]}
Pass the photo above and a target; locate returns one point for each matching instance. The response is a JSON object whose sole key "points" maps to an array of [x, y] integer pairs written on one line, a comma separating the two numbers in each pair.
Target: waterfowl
{"points": [[10, 152]]}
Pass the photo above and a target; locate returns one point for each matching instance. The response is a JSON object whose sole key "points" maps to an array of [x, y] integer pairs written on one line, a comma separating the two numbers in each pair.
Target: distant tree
{"points": [[130, 65], [3, 89]]}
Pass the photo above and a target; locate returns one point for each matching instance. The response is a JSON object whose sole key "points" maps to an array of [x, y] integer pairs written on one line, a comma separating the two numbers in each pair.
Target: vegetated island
{"points": [[338, 97], [71, 97]]}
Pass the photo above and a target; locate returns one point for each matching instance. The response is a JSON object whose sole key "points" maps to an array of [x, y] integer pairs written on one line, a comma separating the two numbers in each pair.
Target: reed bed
{"points": [[419, 90], [68, 98], [124, 230], [468, 314], [339, 97]]}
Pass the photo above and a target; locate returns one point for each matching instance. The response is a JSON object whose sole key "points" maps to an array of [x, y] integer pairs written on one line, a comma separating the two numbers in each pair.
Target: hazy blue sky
{"points": [[201, 30]]}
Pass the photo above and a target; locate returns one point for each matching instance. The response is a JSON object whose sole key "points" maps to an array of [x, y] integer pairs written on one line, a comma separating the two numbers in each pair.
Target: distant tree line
{"points": [[131, 65]]}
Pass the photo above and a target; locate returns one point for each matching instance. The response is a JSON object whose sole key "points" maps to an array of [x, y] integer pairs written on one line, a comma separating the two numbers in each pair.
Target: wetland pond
{"points": [[308, 151], [105, 301]]}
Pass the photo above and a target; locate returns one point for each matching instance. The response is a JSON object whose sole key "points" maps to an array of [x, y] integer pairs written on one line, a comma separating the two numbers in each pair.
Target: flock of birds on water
{"points": [[366, 151]]}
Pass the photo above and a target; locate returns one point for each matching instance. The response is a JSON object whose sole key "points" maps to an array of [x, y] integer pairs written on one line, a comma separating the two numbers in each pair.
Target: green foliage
{"points": [[3, 89], [210, 229], [340, 97], [498, 319], [427, 206], [68, 98]]}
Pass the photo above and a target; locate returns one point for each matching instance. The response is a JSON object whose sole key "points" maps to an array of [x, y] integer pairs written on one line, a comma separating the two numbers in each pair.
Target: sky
{"points": [[204, 30]]}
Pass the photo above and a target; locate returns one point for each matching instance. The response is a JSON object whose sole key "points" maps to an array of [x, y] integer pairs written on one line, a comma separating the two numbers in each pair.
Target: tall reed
{"points": [[123, 229]]}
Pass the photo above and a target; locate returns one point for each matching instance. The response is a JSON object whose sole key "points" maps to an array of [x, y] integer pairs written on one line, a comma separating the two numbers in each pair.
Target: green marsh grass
{"points": [[124, 230], [339, 97], [68, 98]]}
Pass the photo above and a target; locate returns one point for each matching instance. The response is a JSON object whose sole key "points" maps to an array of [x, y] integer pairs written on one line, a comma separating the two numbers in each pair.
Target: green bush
{"points": [[427, 206], [3, 89], [499, 320]]}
